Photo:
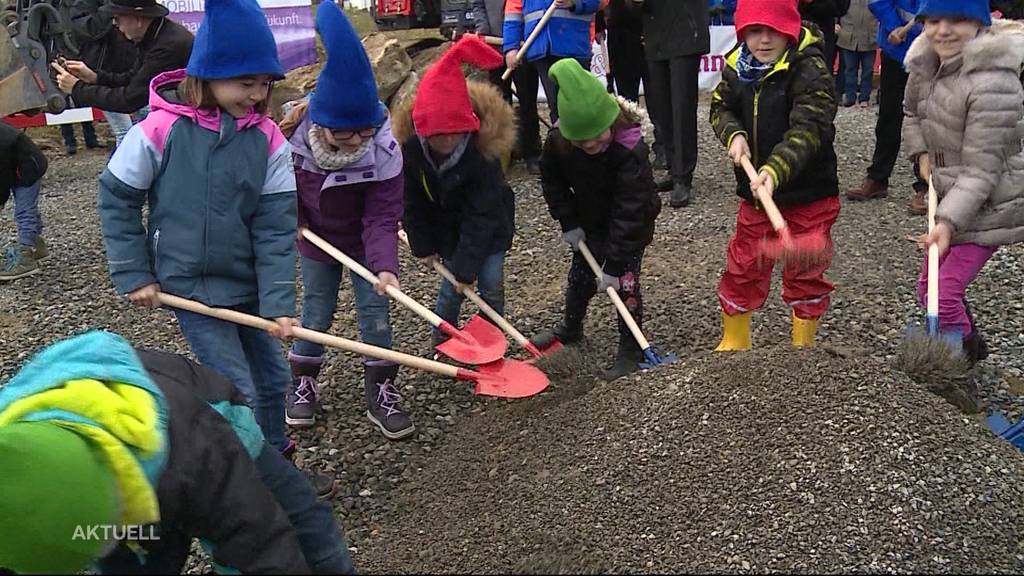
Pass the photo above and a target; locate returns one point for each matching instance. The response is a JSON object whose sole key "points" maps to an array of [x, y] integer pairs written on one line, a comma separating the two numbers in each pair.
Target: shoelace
{"points": [[388, 397], [305, 391]]}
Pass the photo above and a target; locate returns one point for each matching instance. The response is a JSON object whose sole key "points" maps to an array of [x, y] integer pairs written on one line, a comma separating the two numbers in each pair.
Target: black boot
{"points": [[664, 184], [975, 347], [383, 401], [627, 359], [680, 196], [561, 333], [660, 162]]}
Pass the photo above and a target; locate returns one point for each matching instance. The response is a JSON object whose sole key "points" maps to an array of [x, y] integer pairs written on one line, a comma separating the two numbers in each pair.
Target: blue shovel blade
{"points": [[652, 360]]}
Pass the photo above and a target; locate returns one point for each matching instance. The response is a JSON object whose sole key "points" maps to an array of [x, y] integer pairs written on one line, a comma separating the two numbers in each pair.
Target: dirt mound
{"points": [[771, 460]]}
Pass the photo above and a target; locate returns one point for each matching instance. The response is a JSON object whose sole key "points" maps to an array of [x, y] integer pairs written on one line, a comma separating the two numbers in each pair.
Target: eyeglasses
{"points": [[348, 134]]}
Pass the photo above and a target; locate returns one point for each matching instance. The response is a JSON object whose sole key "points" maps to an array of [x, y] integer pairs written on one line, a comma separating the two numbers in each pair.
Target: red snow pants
{"points": [[747, 278]]}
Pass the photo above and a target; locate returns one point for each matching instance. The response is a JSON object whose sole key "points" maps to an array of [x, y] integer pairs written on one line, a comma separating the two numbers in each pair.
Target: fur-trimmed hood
{"points": [[1000, 46], [635, 114], [497, 135]]}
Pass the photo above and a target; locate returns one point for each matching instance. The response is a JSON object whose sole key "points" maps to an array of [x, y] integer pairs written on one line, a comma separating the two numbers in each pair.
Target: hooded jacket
{"points": [[221, 195], [356, 208], [467, 212], [787, 120], [162, 423], [610, 195], [893, 14], [966, 113]]}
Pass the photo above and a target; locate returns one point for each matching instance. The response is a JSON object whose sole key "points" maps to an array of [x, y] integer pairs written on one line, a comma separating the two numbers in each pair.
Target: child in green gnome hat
{"points": [[115, 459], [599, 186]]}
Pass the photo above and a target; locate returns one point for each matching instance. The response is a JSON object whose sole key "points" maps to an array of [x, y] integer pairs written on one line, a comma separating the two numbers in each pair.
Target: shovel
{"points": [[490, 312], [652, 360], [531, 39], [479, 342], [802, 250], [505, 379]]}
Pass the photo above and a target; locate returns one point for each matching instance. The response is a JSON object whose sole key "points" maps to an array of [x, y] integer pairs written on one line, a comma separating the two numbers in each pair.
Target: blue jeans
{"points": [[864, 62], [119, 124], [490, 283], [251, 359], [319, 537], [88, 134], [320, 283], [26, 213]]}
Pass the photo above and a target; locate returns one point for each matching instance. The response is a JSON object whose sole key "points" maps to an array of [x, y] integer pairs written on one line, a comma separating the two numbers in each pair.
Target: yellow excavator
{"points": [[38, 32]]}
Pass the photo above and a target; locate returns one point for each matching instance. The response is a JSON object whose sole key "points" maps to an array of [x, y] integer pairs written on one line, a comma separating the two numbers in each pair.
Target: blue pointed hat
{"points": [[346, 91], [234, 40]]}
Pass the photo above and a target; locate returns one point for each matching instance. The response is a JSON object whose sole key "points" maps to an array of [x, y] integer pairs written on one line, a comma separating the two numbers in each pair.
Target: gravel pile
{"points": [[875, 271], [774, 460]]}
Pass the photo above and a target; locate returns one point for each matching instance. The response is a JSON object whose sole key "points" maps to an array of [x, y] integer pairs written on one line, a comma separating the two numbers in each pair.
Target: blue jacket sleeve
{"points": [[889, 18], [513, 28], [274, 227], [120, 208], [586, 6]]}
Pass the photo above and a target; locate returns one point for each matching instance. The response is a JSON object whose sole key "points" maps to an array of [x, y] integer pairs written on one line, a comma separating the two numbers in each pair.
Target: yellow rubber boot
{"points": [[803, 331], [736, 333]]}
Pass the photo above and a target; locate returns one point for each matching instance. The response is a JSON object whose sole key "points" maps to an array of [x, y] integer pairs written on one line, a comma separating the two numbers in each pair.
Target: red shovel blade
{"points": [[537, 353], [507, 379], [479, 342]]}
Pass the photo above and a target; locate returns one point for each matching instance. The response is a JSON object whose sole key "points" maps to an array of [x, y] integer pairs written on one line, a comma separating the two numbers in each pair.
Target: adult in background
{"points": [[825, 13], [623, 29], [858, 29], [897, 30], [103, 48], [163, 45], [675, 37]]}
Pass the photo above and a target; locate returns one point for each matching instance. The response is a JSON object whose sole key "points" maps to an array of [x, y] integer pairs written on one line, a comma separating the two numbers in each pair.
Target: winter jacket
{"points": [[467, 212], [221, 194], [893, 14], [967, 115], [101, 46], [356, 208], [166, 46], [566, 35], [610, 195], [182, 450], [787, 121], [858, 28], [21, 161], [674, 28], [489, 17]]}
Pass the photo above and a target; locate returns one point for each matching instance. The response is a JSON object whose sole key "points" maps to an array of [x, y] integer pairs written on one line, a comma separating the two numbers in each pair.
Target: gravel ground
{"points": [[767, 424]]}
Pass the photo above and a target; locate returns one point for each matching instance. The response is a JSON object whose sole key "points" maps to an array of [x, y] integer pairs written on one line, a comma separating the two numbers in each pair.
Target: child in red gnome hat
{"points": [[776, 105], [458, 207]]}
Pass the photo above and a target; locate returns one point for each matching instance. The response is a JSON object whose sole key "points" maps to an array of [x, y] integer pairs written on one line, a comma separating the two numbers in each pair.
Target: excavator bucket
{"points": [[20, 88]]}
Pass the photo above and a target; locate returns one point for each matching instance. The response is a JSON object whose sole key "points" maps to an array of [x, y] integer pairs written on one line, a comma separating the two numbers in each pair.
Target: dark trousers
{"points": [[672, 100], [543, 66], [889, 129], [583, 285], [67, 131], [527, 83], [628, 76]]}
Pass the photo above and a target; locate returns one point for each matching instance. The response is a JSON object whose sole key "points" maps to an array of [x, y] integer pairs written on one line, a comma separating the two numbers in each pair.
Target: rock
{"points": [[407, 91], [391, 65]]}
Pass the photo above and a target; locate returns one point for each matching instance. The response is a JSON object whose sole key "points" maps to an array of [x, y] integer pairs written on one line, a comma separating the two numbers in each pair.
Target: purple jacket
{"points": [[357, 208]]}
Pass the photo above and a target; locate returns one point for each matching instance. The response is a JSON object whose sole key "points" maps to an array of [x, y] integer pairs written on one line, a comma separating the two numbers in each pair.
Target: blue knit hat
{"points": [[971, 9], [346, 91], [234, 40]]}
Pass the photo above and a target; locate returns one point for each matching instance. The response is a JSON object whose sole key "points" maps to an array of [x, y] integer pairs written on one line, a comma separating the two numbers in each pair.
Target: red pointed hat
{"points": [[442, 104], [783, 16]]}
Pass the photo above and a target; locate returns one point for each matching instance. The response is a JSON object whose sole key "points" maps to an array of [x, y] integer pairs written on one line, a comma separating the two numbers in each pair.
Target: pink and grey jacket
{"points": [[356, 208], [221, 194]]}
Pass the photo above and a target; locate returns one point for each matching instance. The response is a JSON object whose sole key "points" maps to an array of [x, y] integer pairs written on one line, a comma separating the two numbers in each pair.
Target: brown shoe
{"points": [[918, 203], [868, 190]]}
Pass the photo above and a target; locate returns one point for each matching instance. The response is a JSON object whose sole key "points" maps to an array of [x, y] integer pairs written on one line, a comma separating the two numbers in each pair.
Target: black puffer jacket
{"points": [[21, 161], [610, 195], [100, 45], [794, 106], [166, 46], [674, 28], [467, 212]]}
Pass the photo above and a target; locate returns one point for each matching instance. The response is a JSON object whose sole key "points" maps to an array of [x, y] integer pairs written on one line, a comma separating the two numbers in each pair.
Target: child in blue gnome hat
{"points": [[348, 168], [115, 459], [217, 175]]}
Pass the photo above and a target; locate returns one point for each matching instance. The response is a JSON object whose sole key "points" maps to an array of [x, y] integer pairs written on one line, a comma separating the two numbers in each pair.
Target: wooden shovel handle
{"points": [[778, 222], [370, 277], [532, 38], [312, 336], [474, 298], [933, 255], [619, 305]]}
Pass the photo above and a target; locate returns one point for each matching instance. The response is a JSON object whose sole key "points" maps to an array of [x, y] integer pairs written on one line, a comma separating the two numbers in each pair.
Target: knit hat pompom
{"points": [[442, 104], [585, 108], [783, 16], [976, 10]]}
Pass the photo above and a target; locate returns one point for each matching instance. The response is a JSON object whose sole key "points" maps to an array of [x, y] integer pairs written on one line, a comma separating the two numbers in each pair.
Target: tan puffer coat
{"points": [[967, 115]]}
